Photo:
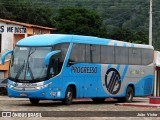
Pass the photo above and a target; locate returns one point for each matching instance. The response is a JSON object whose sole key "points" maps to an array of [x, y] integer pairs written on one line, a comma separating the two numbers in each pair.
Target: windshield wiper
{"points": [[28, 66], [30, 71], [20, 71]]}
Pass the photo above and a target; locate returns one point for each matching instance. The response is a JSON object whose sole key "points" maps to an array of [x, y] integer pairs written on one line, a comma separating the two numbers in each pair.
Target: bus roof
{"points": [[51, 39]]}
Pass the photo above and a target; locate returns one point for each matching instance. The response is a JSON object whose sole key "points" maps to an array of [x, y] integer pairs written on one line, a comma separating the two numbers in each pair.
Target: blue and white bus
{"points": [[63, 67]]}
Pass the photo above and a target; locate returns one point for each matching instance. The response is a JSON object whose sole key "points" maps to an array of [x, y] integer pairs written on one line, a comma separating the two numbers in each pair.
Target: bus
{"points": [[63, 67]]}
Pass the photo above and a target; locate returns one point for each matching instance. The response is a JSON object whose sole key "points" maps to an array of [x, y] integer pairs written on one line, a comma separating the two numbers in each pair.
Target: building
{"points": [[11, 32], [157, 73]]}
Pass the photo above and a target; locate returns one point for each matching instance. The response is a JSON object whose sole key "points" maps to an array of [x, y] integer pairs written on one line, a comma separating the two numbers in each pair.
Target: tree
{"points": [[78, 20], [124, 20], [128, 35], [27, 11], [4, 12]]}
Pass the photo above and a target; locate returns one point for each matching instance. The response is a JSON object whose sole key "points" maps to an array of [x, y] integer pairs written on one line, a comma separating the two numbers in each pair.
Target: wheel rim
{"points": [[69, 96], [129, 95]]}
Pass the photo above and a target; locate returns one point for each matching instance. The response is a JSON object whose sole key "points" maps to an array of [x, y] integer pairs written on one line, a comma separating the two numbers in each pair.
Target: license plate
{"points": [[23, 94]]}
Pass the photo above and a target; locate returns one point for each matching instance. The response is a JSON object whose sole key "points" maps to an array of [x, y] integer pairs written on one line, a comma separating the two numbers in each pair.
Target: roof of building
{"points": [[51, 39], [26, 24]]}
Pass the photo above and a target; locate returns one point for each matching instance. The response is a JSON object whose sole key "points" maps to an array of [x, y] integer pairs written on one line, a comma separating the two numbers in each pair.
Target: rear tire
{"points": [[68, 96], [34, 101], [129, 95]]}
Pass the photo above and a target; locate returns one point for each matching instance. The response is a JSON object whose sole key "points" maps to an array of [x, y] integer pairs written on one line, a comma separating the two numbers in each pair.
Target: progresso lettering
{"points": [[87, 70]]}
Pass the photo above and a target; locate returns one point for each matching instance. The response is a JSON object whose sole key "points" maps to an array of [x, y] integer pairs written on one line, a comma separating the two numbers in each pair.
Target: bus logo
{"points": [[113, 81]]}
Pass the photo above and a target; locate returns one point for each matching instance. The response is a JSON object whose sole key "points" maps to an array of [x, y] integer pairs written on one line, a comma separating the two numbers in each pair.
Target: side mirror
{"points": [[49, 55], [5, 54]]}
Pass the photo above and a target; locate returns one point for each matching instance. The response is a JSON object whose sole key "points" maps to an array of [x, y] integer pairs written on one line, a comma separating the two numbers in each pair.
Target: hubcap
{"points": [[129, 95], [69, 96]]}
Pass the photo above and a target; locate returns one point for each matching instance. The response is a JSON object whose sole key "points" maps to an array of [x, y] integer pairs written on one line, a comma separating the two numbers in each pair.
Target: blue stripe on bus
{"points": [[124, 72], [109, 66], [132, 45], [118, 67], [125, 45], [115, 44]]}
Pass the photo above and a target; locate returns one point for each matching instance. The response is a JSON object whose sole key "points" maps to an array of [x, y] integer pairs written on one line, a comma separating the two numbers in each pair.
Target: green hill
{"points": [[132, 15]]}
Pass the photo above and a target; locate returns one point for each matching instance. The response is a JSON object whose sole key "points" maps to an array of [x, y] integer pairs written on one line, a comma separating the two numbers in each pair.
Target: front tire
{"points": [[68, 96], [34, 101]]}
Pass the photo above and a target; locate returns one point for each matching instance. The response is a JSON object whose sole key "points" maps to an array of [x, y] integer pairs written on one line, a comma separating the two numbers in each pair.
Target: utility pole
{"points": [[150, 23], [150, 43]]}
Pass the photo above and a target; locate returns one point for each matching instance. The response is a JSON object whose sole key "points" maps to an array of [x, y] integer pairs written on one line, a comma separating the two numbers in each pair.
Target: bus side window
{"points": [[54, 66], [107, 54], [135, 57], [88, 54], [78, 53], [147, 56], [64, 48], [95, 50], [93, 53], [121, 55]]}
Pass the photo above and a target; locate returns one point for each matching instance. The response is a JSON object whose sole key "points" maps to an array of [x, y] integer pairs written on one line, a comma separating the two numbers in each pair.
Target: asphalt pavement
{"points": [[80, 109]]}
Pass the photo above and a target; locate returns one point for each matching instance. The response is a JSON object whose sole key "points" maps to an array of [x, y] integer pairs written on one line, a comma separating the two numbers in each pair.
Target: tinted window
{"points": [[55, 65], [78, 53], [121, 55], [88, 54], [135, 56], [107, 54], [93, 53], [64, 48], [147, 56]]}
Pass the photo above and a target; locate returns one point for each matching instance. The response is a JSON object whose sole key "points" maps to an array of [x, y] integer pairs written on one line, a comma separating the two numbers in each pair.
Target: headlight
{"points": [[43, 86], [28, 88]]}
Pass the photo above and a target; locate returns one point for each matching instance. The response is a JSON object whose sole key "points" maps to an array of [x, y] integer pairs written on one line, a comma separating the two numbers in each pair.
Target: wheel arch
{"points": [[73, 86], [132, 86]]}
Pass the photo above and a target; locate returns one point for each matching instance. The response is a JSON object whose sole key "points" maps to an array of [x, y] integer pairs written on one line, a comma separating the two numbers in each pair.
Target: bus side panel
{"points": [[116, 78], [76, 81], [85, 76], [112, 82], [145, 86]]}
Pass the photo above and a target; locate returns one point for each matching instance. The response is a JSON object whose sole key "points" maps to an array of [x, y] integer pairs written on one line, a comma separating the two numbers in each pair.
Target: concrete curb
{"points": [[139, 105]]}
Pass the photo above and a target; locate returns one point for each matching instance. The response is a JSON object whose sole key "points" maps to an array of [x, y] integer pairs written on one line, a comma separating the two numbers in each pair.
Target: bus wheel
{"points": [[34, 101], [68, 96], [98, 100], [129, 94]]}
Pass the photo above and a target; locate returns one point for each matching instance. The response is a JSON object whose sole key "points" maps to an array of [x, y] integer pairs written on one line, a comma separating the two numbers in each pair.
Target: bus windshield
{"points": [[27, 64]]}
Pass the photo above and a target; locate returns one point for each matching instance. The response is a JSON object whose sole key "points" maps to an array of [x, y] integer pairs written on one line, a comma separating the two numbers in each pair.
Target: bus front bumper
{"points": [[44, 93]]}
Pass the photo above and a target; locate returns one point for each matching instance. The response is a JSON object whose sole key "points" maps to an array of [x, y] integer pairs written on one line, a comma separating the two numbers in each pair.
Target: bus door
{"points": [[90, 87], [84, 67], [91, 81], [73, 75], [84, 76], [92, 58]]}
